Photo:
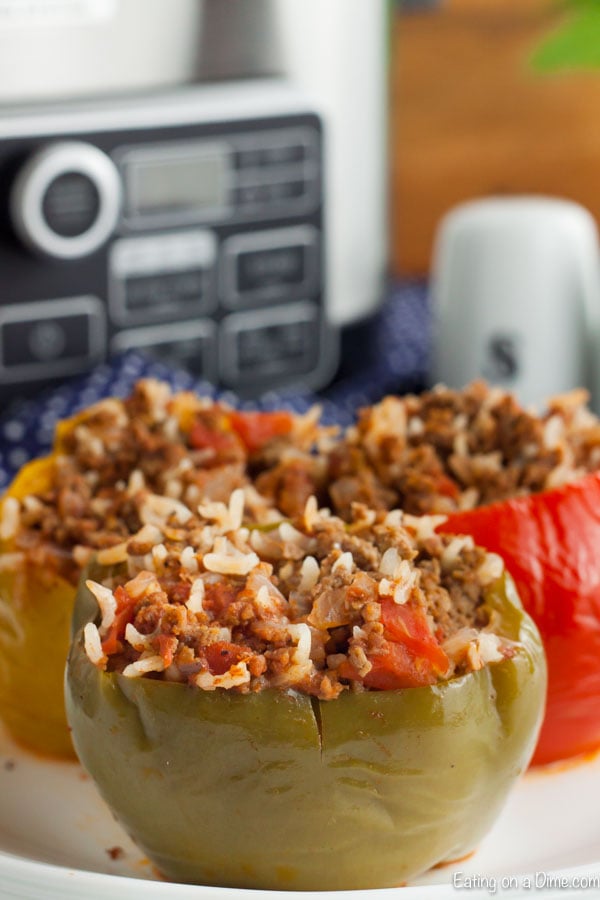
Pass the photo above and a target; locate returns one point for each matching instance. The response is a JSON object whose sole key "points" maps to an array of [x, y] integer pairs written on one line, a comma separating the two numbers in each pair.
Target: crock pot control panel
{"points": [[199, 242]]}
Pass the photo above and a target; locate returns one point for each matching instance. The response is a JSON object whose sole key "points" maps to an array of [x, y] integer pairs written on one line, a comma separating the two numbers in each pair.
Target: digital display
{"points": [[187, 182]]}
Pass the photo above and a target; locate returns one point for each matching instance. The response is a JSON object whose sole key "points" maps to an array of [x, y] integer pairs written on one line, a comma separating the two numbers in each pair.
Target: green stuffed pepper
{"points": [[313, 706]]}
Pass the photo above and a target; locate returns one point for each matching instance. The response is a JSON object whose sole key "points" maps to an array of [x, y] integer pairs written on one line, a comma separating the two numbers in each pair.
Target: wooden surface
{"points": [[471, 117]]}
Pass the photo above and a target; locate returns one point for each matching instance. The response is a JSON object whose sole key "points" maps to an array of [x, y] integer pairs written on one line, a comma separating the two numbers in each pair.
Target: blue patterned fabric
{"points": [[394, 361]]}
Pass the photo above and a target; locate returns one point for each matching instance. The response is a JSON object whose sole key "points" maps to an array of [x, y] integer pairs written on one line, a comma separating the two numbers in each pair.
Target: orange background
{"points": [[470, 117]]}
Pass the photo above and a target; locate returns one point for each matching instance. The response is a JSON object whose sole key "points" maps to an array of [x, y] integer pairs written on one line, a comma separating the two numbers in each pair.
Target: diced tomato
{"points": [[258, 428], [407, 624], [396, 668], [446, 486], [222, 441], [123, 615], [221, 655], [166, 647], [411, 657], [399, 668]]}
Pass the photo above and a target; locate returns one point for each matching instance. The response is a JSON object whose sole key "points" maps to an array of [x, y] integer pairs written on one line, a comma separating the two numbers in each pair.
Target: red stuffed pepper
{"points": [[551, 546], [524, 486]]}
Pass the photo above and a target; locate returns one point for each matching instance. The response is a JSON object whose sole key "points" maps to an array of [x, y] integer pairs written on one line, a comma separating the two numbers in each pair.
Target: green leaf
{"points": [[575, 45]]}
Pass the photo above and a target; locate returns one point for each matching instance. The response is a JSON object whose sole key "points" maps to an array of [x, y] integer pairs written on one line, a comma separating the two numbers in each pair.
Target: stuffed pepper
{"points": [[310, 704], [87, 497], [524, 485]]}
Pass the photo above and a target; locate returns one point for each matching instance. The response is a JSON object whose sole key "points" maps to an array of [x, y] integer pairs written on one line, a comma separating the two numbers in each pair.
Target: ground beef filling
{"points": [[175, 445], [313, 604], [446, 450], [434, 453], [234, 574]]}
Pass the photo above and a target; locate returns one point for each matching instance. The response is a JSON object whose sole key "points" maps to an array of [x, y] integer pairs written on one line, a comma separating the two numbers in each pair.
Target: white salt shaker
{"points": [[516, 297]]}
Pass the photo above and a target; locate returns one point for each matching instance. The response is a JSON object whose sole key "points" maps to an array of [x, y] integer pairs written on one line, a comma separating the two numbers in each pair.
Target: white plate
{"points": [[58, 840]]}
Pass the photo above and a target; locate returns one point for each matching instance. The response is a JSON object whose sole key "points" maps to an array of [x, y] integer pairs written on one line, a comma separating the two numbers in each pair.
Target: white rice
{"points": [[423, 527], [343, 565], [195, 602], [157, 510], [300, 633], [452, 552], [106, 602], [88, 441], [11, 517], [491, 569], [93, 644], [82, 555], [188, 560], [137, 640], [144, 665], [311, 513], [142, 584], [309, 574], [112, 556], [390, 562], [238, 674], [136, 482], [159, 555], [228, 560], [228, 518], [293, 538]]}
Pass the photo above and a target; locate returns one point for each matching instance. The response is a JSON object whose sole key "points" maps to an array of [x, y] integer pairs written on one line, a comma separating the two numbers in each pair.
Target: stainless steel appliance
{"points": [[214, 192]]}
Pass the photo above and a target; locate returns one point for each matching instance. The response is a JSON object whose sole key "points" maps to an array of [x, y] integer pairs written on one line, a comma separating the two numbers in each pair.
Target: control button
{"points": [[162, 277], [280, 147], [248, 198], [288, 190], [248, 158], [71, 204], [251, 195], [281, 191], [272, 154], [190, 343], [50, 338], [278, 267], [267, 266], [66, 199], [259, 347], [284, 154], [173, 295]]}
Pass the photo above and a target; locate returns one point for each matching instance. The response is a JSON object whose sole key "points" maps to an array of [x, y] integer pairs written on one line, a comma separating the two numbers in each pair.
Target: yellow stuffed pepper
{"points": [[99, 488]]}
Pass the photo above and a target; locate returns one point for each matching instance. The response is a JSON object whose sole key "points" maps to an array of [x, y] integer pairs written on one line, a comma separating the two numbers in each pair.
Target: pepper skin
{"points": [[550, 543], [34, 639], [278, 790]]}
